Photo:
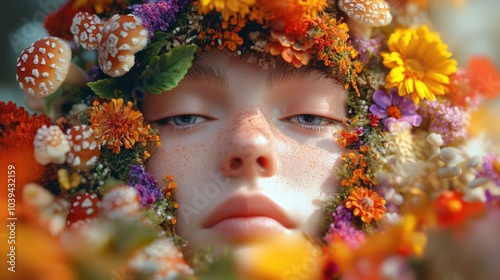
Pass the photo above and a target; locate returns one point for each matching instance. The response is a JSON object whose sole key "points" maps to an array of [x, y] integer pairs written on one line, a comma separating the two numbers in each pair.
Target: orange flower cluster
{"points": [[291, 50], [169, 191], [17, 128], [366, 204], [290, 26], [116, 124], [228, 37], [348, 139], [289, 12], [358, 164], [330, 38]]}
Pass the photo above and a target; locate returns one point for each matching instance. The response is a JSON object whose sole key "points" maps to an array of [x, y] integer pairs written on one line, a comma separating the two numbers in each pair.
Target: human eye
{"points": [[312, 122], [182, 122]]}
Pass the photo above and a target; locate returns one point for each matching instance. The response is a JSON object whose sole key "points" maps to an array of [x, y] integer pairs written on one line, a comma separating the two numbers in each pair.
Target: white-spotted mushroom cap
{"points": [[37, 196], [84, 208], [371, 13], [51, 145], [84, 150], [121, 202], [43, 67], [86, 30], [163, 258], [122, 37]]}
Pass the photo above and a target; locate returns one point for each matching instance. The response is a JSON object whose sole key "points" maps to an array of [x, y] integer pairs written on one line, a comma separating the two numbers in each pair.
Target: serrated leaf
{"points": [[107, 88], [157, 43], [164, 72]]}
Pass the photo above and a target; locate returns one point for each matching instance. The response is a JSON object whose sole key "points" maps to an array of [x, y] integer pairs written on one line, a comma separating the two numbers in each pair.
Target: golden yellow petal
{"points": [[392, 59], [396, 75], [437, 77], [409, 84], [434, 87]]}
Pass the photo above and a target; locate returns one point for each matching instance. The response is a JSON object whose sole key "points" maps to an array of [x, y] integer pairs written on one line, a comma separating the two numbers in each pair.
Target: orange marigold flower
{"points": [[367, 204], [116, 124]]}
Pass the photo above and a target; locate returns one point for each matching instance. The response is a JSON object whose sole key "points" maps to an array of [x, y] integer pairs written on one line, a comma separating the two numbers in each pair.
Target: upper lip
{"points": [[241, 206]]}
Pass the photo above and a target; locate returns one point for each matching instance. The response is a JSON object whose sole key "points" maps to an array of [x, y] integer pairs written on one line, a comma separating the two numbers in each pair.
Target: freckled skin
{"points": [[247, 146]]}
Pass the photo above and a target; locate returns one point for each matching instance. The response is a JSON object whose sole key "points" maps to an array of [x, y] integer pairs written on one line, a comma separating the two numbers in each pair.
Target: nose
{"points": [[250, 151]]}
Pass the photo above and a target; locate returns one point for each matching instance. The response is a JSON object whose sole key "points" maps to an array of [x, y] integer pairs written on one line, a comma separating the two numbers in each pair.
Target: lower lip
{"points": [[248, 227]]}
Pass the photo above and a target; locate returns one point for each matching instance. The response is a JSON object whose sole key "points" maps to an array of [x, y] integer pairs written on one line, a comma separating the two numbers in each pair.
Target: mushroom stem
{"points": [[358, 30], [76, 76]]}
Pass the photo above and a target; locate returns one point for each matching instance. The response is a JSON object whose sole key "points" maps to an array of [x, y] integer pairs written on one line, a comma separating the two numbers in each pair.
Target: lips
{"points": [[247, 216]]}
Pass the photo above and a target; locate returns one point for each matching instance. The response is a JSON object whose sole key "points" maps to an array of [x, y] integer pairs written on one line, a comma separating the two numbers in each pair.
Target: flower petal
{"points": [[382, 99], [378, 111]]}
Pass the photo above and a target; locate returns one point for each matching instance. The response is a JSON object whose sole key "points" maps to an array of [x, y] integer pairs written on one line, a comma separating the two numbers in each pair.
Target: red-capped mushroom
{"points": [[365, 14], [51, 145], [122, 37], [84, 150], [120, 203], [83, 209], [45, 65], [86, 29]]}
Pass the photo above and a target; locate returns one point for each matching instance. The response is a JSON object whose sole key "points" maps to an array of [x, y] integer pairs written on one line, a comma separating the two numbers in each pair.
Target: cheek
{"points": [[307, 178], [190, 162]]}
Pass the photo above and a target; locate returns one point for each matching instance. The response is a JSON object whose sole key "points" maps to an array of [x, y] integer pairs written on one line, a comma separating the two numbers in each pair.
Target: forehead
{"points": [[217, 66], [217, 78]]}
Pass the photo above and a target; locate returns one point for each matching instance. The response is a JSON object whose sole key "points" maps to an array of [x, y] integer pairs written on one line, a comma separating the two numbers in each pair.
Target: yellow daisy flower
{"points": [[420, 64], [227, 8]]}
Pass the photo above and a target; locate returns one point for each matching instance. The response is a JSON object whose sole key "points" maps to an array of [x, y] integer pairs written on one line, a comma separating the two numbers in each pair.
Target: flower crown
{"points": [[406, 133]]}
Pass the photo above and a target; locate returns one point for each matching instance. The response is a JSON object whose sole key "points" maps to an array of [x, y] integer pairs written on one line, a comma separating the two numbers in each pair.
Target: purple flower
{"points": [[449, 121], [145, 184], [367, 48], [491, 168], [346, 233], [341, 228], [158, 15], [394, 108], [342, 214]]}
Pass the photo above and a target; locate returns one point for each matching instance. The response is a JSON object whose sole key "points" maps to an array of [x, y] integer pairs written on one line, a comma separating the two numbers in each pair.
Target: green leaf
{"points": [[157, 43], [164, 72], [107, 88]]}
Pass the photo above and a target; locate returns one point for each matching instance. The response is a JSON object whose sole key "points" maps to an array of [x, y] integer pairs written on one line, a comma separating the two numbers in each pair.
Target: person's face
{"points": [[253, 151]]}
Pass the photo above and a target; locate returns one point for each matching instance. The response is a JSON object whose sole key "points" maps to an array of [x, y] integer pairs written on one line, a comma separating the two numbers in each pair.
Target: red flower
{"points": [[58, 22], [483, 76], [452, 210]]}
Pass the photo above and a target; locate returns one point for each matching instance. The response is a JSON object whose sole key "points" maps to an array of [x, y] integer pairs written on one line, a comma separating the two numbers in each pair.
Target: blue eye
{"points": [[309, 119], [311, 122], [182, 122], [185, 119]]}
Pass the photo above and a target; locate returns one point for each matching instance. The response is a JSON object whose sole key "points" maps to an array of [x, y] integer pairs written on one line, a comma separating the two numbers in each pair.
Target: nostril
{"points": [[262, 161], [236, 163]]}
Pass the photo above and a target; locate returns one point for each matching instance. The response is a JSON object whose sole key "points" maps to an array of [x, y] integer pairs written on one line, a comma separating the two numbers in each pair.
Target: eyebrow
{"points": [[208, 73], [285, 71], [281, 73]]}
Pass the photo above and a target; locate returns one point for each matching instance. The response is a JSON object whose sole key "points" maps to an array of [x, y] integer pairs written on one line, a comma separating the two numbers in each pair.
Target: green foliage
{"points": [[121, 163], [155, 46], [109, 88], [164, 72], [208, 264]]}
